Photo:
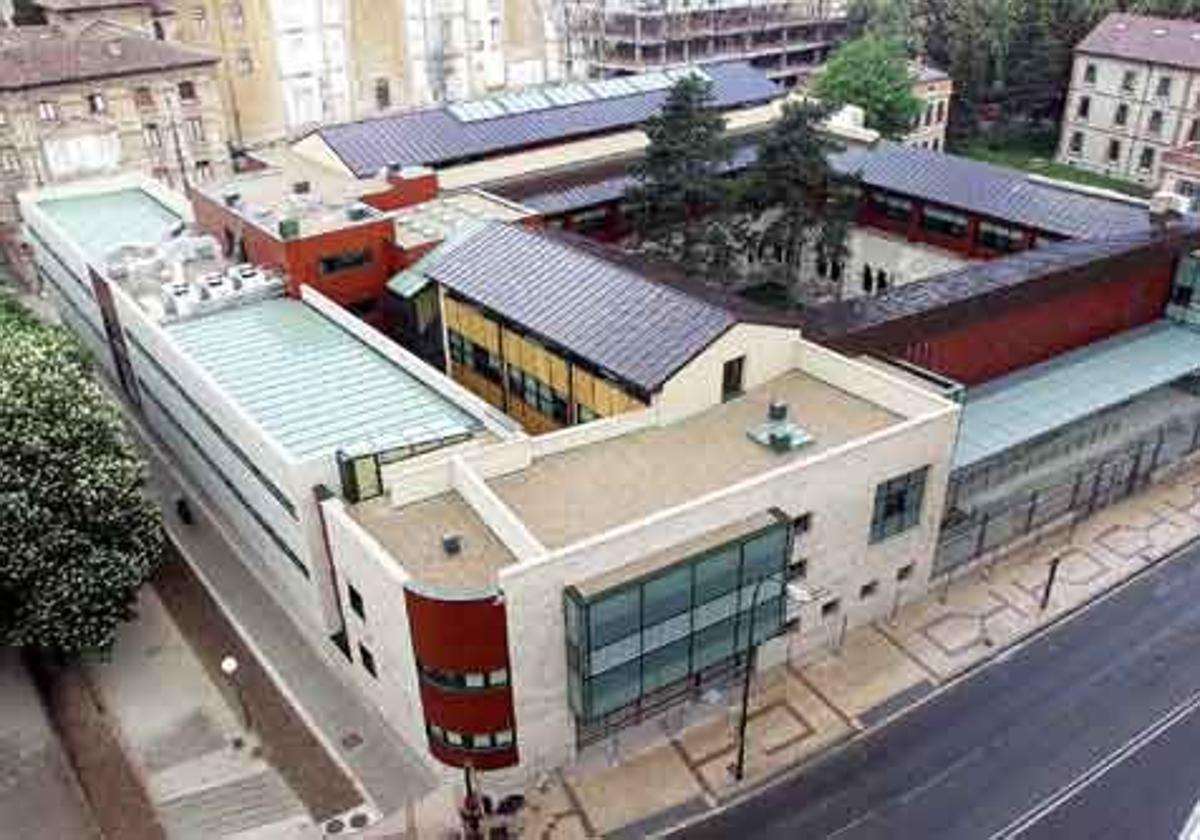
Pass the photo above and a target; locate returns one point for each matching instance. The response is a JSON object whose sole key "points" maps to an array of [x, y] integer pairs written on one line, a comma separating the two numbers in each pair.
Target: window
{"points": [[802, 524], [1121, 116], [892, 207], [1164, 87], [583, 414], [237, 15], [245, 61], [868, 280], [48, 111], [200, 18], [944, 222], [1156, 122], [732, 375], [1194, 133], [898, 504], [203, 170], [937, 144], [1084, 107], [345, 262], [867, 590], [941, 114], [143, 97], [1114, 151], [1129, 81], [1146, 160], [999, 238], [368, 661], [187, 91], [1076, 146], [10, 161], [904, 573], [152, 136], [831, 608], [1089, 74], [3, 118], [96, 104], [928, 114], [383, 94], [464, 680], [194, 126], [356, 601]]}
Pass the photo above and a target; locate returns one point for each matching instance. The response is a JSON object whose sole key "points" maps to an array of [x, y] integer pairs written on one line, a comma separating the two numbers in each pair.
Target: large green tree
{"points": [[680, 194], [873, 73], [77, 537], [803, 208]]}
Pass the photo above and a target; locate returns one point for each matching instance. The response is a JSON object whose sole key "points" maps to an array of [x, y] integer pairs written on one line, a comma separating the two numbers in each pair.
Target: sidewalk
{"points": [[797, 711], [204, 772]]}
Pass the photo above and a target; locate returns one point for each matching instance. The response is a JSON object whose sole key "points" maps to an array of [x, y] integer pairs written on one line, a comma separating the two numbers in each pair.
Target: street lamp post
{"points": [[739, 767], [229, 667]]}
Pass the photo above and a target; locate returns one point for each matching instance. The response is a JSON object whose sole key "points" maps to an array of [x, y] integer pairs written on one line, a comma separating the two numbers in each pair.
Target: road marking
{"points": [[1090, 776]]}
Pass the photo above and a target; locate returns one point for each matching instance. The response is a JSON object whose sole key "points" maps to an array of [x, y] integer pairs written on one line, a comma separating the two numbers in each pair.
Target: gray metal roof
{"points": [[312, 386], [1003, 194], [1030, 403], [1150, 39], [436, 137], [623, 322]]}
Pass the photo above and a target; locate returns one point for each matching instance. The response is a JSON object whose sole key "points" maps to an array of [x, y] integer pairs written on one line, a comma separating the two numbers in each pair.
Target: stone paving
{"points": [[803, 707]]}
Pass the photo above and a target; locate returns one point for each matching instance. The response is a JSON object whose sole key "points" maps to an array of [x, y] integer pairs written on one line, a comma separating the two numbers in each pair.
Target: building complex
{"points": [[1134, 96]]}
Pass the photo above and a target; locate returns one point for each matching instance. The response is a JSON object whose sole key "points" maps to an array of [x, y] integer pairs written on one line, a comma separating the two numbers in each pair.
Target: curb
{"points": [[997, 656]]}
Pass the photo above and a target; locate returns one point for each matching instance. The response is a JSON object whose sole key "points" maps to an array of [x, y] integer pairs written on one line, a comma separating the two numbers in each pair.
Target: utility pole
{"points": [[739, 767]]}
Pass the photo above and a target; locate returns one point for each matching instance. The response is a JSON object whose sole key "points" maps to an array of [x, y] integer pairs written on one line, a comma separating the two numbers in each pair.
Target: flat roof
{"points": [[413, 534], [574, 494], [1036, 401], [101, 222], [433, 221], [312, 386], [461, 131]]}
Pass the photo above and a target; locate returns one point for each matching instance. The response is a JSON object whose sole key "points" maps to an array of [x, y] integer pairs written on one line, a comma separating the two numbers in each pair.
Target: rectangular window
{"points": [[368, 661], [731, 378], [999, 238], [245, 61], [187, 91], [1164, 87], [830, 608], [1129, 81], [1084, 108], [868, 590], [898, 505], [203, 170], [904, 573], [237, 15], [195, 129], [1089, 74], [48, 111], [356, 601], [1156, 123], [200, 17], [96, 104], [1146, 160], [944, 222], [10, 161], [143, 97], [1121, 116], [152, 136], [583, 414], [383, 94], [345, 262], [1076, 147], [1114, 151], [891, 206]]}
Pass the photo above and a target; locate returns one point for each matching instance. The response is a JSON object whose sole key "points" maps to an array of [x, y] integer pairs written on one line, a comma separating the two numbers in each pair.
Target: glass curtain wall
{"points": [[648, 643]]}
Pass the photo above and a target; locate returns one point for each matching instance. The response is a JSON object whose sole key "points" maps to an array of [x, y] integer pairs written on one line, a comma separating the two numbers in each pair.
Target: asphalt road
{"points": [[1091, 730]]}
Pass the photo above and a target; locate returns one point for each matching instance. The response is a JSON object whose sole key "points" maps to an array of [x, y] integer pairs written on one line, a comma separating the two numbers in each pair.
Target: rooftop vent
{"points": [[302, 187], [452, 544], [358, 212], [778, 433], [232, 199]]}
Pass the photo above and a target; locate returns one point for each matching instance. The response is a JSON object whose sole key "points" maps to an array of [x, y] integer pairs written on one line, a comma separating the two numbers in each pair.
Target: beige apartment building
{"points": [[1135, 95], [77, 100], [290, 64], [934, 88]]}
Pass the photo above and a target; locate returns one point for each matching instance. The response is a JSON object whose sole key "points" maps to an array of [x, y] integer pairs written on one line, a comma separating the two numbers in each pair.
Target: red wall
{"points": [[299, 259], [983, 349], [463, 637]]}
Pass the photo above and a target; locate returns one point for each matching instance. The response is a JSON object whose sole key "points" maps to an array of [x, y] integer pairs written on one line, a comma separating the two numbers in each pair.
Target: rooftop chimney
{"points": [[452, 544]]}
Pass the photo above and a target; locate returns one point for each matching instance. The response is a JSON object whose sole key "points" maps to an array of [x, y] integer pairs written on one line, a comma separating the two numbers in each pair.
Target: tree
{"points": [[872, 73], [680, 192], [805, 209], [77, 538]]}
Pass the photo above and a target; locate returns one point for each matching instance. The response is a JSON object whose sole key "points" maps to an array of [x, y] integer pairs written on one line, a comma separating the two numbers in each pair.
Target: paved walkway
{"points": [[39, 796], [203, 770], [664, 775]]}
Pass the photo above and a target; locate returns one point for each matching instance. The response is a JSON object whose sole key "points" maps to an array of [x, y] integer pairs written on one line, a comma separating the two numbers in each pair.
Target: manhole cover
{"points": [[351, 740]]}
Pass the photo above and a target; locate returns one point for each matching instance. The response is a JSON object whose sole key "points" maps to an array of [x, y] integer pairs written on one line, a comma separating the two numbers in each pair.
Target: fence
{"points": [[1092, 485]]}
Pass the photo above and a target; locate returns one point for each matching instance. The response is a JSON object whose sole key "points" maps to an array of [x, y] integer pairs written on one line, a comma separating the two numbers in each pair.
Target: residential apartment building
{"points": [[1134, 96], [288, 65], [787, 39], [506, 601], [94, 98], [934, 89]]}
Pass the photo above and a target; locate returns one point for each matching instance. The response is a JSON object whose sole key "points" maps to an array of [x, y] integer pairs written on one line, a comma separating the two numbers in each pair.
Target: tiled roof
{"points": [[573, 297], [973, 284], [994, 191], [435, 136], [1151, 39], [35, 56]]}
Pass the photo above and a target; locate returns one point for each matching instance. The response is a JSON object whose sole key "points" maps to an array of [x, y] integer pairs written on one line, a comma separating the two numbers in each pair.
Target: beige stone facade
{"points": [[129, 104], [934, 89]]}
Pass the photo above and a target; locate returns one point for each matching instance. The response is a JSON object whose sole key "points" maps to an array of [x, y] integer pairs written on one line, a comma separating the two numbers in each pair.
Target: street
{"points": [[1091, 730]]}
